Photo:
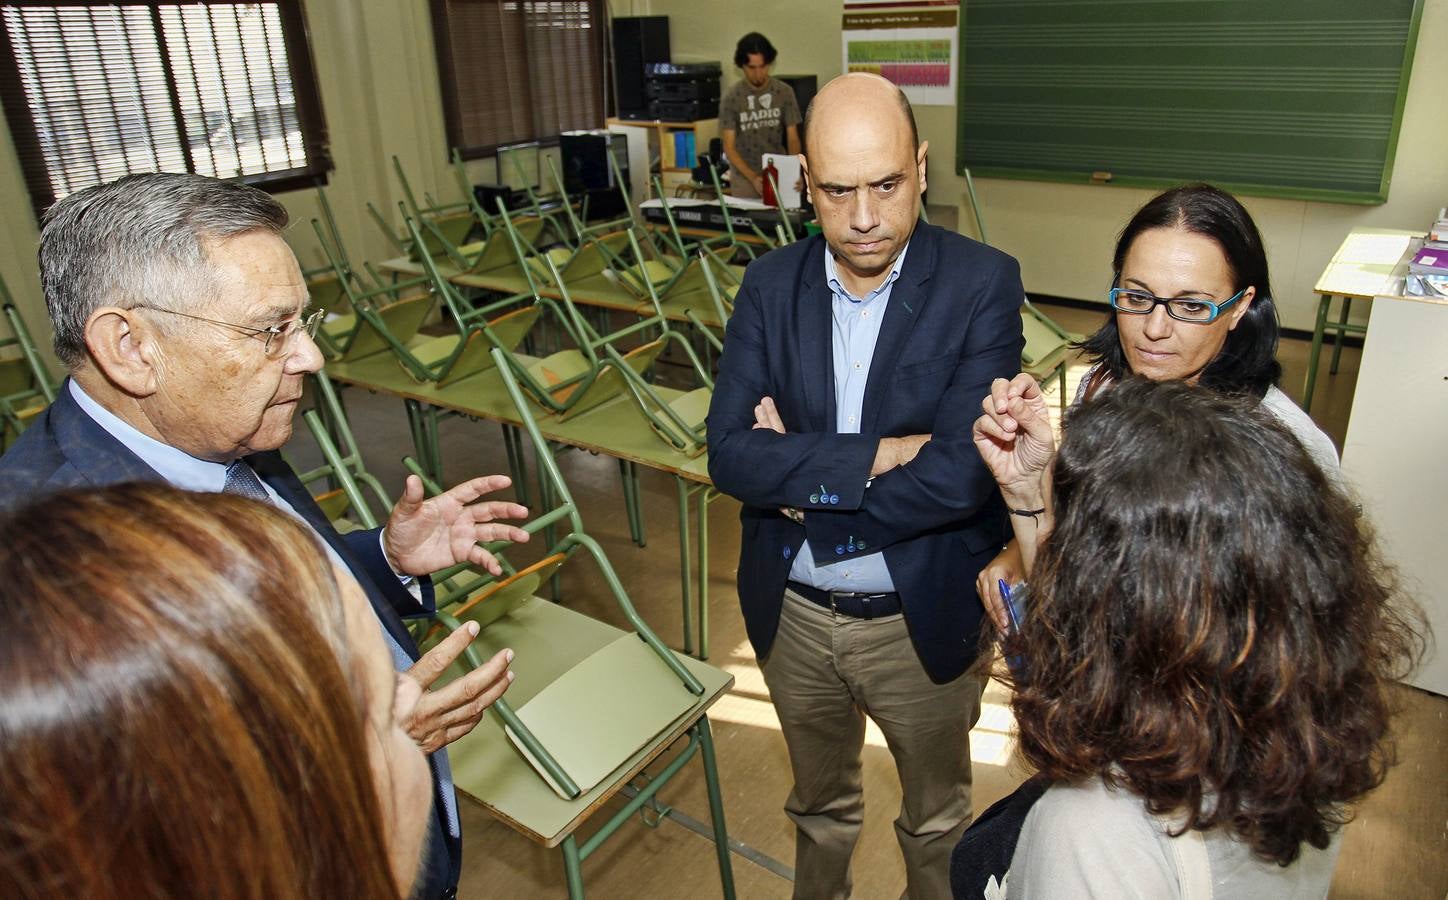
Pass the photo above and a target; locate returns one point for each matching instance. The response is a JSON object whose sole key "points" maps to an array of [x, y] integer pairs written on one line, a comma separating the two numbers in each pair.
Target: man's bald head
{"points": [[859, 94], [865, 169]]}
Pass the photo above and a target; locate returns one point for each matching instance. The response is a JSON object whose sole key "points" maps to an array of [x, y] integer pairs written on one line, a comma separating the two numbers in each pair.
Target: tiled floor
{"points": [[1396, 848]]}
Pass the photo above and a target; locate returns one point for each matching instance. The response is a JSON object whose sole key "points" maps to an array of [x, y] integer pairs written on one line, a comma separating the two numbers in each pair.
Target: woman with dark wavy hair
{"points": [[1207, 649], [194, 703], [1190, 300]]}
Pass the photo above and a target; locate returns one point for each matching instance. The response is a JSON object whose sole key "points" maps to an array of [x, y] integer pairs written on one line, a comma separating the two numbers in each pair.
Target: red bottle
{"points": [[770, 177]]}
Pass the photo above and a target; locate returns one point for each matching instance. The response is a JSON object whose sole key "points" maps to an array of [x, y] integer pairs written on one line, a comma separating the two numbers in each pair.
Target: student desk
{"points": [[594, 291], [615, 428], [1360, 270]]}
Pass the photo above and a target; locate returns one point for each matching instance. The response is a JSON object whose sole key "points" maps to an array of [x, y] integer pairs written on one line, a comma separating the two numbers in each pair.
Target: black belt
{"points": [[849, 603]]}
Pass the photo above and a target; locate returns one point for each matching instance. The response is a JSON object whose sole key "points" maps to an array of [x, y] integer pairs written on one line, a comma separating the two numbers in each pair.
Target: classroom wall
{"points": [[1063, 234], [378, 79]]}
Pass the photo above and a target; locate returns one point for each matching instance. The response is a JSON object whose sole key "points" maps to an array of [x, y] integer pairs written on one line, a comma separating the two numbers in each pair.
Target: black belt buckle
{"points": [[848, 603]]}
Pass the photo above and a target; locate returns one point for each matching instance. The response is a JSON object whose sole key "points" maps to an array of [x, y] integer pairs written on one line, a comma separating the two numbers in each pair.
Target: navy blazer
{"points": [[65, 448], [952, 326]]}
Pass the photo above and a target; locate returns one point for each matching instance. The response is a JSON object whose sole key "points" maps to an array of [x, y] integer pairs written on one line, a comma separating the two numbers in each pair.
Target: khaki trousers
{"points": [[825, 673]]}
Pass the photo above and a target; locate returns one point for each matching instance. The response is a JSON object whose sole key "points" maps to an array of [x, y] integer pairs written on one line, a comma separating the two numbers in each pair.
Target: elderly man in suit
{"points": [[182, 317], [852, 368]]}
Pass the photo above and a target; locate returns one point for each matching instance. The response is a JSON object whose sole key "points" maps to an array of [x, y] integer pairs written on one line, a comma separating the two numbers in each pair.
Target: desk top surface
{"points": [[615, 428], [1363, 265]]}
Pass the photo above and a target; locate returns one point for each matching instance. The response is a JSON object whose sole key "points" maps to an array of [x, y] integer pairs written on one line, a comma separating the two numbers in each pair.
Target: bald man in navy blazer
{"points": [[854, 364]]}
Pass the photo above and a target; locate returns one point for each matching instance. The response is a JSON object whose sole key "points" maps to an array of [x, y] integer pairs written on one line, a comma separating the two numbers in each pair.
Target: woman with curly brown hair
{"points": [[193, 702], [1191, 300], [1206, 650]]}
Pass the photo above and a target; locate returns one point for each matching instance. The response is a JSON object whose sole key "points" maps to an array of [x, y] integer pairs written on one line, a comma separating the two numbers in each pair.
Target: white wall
{"points": [[1063, 234]]}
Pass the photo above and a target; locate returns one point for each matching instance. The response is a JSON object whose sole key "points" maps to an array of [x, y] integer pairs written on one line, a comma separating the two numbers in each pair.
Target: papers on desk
{"points": [[1363, 266]]}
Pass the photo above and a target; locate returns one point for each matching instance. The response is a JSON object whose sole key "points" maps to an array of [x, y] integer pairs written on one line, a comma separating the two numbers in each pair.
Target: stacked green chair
{"points": [[574, 216], [541, 207], [606, 703], [443, 225], [355, 498], [594, 711], [26, 386], [575, 380]]}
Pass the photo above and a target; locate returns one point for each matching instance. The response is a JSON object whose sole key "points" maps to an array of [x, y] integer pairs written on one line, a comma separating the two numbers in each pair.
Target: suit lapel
{"points": [[90, 449], [272, 469], [816, 357], [907, 303]]}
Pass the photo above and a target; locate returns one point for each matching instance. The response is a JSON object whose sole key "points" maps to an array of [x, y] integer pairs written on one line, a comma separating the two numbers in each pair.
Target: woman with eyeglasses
{"points": [[1191, 301]]}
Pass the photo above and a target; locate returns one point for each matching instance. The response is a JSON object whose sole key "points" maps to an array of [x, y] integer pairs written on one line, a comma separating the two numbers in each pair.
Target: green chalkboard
{"points": [[1286, 98]]}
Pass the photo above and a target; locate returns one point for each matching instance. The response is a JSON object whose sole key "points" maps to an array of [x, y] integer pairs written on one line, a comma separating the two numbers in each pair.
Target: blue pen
{"points": [[1017, 664]]}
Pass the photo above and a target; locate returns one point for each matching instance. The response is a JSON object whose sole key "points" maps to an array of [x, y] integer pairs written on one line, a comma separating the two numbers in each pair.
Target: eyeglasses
{"points": [[1141, 303], [278, 338]]}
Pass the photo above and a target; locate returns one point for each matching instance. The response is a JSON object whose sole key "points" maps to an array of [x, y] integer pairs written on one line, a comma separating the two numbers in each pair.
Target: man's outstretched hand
{"points": [[423, 536]]}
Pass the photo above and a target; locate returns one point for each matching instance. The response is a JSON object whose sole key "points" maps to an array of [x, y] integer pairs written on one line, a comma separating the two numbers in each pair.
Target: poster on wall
{"points": [[915, 49]]}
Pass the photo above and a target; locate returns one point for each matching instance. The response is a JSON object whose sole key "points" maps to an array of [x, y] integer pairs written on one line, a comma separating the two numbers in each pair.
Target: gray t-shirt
{"points": [[758, 119], [1083, 841]]}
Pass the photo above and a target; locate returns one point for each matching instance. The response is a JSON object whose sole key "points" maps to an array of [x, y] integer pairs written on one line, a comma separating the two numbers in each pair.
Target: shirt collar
{"points": [[832, 277], [179, 468]]}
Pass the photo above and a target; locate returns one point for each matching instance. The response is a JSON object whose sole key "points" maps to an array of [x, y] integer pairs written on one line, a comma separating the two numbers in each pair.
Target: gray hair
{"points": [[140, 239]]}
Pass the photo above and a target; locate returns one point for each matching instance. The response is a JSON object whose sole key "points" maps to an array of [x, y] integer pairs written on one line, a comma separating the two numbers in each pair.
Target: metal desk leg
{"points": [[685, 580], [716, 809], [1341, 335], [1315, 352], [573, 868], [704, 492], [629, 476], [517, 462]]}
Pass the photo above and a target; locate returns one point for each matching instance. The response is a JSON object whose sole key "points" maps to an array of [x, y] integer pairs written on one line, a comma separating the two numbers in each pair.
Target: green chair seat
{"points": [[338, 325]]}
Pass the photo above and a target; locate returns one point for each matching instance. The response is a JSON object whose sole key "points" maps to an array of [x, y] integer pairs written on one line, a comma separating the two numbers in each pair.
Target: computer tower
{"points": [[637, 41], [587, 173]]}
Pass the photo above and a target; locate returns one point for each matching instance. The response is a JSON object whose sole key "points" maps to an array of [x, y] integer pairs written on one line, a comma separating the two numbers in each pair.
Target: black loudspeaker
{"points": [[804, 87], [637, 41], [586, 171]]}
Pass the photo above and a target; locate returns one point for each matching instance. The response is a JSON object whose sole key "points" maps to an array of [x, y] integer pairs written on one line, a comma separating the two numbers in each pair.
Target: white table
{"points": [[1396, 455]]}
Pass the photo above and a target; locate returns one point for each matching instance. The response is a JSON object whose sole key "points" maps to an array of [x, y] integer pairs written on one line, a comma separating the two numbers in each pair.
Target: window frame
{"points": [[296, 40]]}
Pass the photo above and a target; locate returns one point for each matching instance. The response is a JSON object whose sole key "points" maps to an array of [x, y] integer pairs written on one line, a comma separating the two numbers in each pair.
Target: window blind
{"points": [[518, 70], [95, 91]]}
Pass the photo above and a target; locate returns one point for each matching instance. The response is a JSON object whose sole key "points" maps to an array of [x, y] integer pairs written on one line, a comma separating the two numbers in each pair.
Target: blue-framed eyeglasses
{"points": [[1140, 303]]}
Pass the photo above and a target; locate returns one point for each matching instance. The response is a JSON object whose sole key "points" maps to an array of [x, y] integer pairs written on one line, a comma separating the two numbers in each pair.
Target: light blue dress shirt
{"points": [[187, 472], [853, 332]]}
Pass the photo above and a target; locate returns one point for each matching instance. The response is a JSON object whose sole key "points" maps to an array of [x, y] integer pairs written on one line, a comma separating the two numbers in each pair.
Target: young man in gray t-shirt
{"points": [[759, 115]]}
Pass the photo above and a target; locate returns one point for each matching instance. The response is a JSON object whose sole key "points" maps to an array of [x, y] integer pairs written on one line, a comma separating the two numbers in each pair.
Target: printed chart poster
{"points": [[914, 49]]}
